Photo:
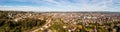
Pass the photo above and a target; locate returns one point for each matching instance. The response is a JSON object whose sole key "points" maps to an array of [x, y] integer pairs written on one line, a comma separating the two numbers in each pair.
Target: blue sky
{"points": [[61, 5]]}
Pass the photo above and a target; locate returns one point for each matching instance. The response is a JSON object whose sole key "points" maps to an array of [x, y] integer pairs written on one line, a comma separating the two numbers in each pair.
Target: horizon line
{"points": [[54, 11]]}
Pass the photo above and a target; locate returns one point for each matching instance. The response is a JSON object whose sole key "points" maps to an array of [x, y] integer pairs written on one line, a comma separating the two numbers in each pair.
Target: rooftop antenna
{"points": [[104, 3]]}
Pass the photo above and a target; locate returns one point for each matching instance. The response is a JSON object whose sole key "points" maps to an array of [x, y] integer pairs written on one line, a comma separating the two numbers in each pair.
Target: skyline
{"points": [[60, 5]]}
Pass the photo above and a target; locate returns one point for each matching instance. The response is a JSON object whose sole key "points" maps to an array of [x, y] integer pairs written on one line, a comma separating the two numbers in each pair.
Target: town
{"points": [[14, 21]]}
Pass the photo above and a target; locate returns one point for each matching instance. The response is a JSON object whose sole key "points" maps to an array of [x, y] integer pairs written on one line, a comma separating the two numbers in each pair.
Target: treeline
{"points": [[8, 24], [19, 26]]}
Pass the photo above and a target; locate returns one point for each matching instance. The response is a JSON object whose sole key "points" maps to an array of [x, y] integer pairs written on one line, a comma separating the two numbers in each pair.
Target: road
{"points": [[49, 21]]}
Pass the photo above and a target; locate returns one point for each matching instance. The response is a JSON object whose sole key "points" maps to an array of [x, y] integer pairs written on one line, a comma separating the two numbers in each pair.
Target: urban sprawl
{"points": [[12, 21]]}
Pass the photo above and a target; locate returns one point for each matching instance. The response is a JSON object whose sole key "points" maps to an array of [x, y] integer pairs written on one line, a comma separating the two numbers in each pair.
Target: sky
{"points": [[60, 5]]}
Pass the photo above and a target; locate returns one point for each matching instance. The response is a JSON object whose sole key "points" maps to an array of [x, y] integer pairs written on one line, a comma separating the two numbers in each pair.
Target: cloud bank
{"points": [[60, 5]]}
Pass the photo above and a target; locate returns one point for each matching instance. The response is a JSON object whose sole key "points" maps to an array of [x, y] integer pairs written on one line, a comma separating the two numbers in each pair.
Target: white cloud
{"points": [[65, 5]]}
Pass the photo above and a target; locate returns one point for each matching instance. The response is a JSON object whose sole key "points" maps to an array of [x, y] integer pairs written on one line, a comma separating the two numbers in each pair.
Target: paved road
{"points": [[49, 21]]}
